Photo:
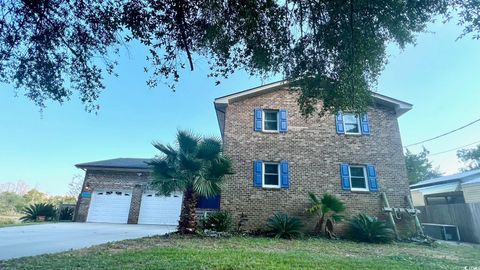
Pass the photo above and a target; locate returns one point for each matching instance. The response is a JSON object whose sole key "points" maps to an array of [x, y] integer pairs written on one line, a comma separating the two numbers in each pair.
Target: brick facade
{"points": [[314, 151], [135, 181]]}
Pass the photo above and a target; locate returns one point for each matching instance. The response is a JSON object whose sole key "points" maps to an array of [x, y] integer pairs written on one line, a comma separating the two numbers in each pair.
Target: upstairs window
{"points": [[270, 120], [351, 123]]}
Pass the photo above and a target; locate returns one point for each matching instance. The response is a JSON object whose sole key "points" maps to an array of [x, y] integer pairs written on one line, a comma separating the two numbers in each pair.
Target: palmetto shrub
{"points": [[33, 211], [328, 207], [365, 228], [220, 221], [283, 226], [66, 214]]}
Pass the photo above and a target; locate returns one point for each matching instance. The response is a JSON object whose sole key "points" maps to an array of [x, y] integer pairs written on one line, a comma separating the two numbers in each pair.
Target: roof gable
{"points": [[221, 103]]}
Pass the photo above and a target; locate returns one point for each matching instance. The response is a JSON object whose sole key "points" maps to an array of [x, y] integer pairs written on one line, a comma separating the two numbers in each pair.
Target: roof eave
{"points": [[112, 168], [399, 106]]}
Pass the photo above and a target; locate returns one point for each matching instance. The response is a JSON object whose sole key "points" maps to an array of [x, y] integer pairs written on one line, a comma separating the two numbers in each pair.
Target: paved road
{"points": [[50, 238]]}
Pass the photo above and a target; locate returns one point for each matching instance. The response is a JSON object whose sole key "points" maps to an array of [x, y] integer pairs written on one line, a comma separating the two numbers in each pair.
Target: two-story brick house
{"points": [[278, 157]]}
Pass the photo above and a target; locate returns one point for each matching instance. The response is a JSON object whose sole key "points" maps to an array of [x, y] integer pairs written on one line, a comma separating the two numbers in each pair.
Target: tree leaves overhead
{"points": [[419, 167], [470, 158], [333, 50]]}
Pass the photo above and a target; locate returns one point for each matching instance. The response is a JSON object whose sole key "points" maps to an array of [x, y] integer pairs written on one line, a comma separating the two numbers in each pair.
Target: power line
{"points": [[446, 151], [444, 134]]}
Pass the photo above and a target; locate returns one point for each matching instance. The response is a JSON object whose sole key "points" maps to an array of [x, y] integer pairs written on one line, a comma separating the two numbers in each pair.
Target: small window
{"points": [[270, 175], [118, 193], [100, 193], [109, 192], [150, 195], [351, 123], [127, 194], [358, 178], [270, 120]]}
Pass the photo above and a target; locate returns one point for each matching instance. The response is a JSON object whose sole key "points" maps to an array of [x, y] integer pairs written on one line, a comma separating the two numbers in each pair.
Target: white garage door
{"points": [[156, 209], [110, 206]]}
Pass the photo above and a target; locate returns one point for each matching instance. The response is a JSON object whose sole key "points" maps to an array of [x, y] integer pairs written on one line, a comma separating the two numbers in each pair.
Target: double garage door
{"points": [[113, 206]]}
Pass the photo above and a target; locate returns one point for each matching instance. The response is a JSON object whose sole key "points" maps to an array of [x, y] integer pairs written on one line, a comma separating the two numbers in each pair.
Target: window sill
{"points": [[272, 188], [354, 134], [270, 131], [361, 191]]}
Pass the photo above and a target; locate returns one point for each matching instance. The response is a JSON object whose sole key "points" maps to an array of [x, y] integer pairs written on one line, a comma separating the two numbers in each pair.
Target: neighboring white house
{"points": [[457, 188]]}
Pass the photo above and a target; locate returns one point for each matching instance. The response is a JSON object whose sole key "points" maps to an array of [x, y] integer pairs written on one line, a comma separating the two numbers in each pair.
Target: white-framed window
{"points": [[358, 178], [351, 124], [271, 175], [270, 120]]}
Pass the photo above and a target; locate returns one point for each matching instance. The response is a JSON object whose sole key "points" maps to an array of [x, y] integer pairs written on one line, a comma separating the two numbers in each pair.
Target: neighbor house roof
{"points": [[117, 163], [469, 177], [221, 103]]}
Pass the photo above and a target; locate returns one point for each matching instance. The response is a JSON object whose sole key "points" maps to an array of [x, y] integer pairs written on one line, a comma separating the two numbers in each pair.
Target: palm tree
{"points": [[196, 166], [327, 208]]}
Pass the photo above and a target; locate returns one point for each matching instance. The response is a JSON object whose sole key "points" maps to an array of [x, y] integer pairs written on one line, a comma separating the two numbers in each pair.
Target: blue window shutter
{"points": [[257, 123], [345, 176], [372, 178], [283, 120], [257, 173], [364, 124], [339, 123], [284, 174]]}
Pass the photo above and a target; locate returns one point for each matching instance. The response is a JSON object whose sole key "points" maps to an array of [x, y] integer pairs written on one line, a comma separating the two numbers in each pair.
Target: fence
{"points": [[464, 215]]}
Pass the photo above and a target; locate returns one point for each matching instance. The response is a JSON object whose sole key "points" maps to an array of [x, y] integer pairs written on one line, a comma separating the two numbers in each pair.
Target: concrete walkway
{"points": [[32, 240]]}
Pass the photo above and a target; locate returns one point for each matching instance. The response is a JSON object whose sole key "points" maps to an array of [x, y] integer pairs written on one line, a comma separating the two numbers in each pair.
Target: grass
{"points": [[7, 221], [23, 224], [13, 221], [178, 252]]}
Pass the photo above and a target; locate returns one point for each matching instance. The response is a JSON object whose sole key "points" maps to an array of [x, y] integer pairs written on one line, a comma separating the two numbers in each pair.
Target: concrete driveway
{"points": [[50, 238]]}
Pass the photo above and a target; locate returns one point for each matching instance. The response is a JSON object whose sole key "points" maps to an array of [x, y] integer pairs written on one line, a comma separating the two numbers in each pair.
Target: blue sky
{"points": [[439, 76]]}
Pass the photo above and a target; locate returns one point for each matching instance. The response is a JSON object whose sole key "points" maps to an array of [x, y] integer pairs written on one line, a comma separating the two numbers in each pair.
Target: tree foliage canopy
{"points": [[419, 168], [333, 50], [470, 157]]}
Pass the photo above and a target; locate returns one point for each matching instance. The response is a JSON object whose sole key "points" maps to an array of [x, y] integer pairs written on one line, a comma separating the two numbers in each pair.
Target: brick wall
{"points": [[314, 152]]}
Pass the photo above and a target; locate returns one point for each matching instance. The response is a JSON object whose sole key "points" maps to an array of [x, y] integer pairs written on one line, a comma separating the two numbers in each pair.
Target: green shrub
{"points": [[66, 214], [328, 208], [33, 211], [283, 226], [220, 221], [365, 228]]}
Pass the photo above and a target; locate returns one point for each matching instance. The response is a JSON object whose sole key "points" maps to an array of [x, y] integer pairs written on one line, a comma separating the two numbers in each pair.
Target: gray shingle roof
{"points": [[462, 177], [125, 163]]}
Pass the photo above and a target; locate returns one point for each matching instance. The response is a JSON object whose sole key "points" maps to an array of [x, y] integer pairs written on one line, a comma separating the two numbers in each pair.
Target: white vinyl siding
{"points": [[471, 193]]}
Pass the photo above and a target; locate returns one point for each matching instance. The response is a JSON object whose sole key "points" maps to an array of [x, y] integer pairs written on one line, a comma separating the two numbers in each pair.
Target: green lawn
{"points": [[177, 252]]}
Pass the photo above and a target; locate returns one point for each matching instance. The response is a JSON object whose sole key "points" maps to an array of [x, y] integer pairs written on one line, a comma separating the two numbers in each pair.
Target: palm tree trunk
{"points": [[320, 228], [188, 223]]}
